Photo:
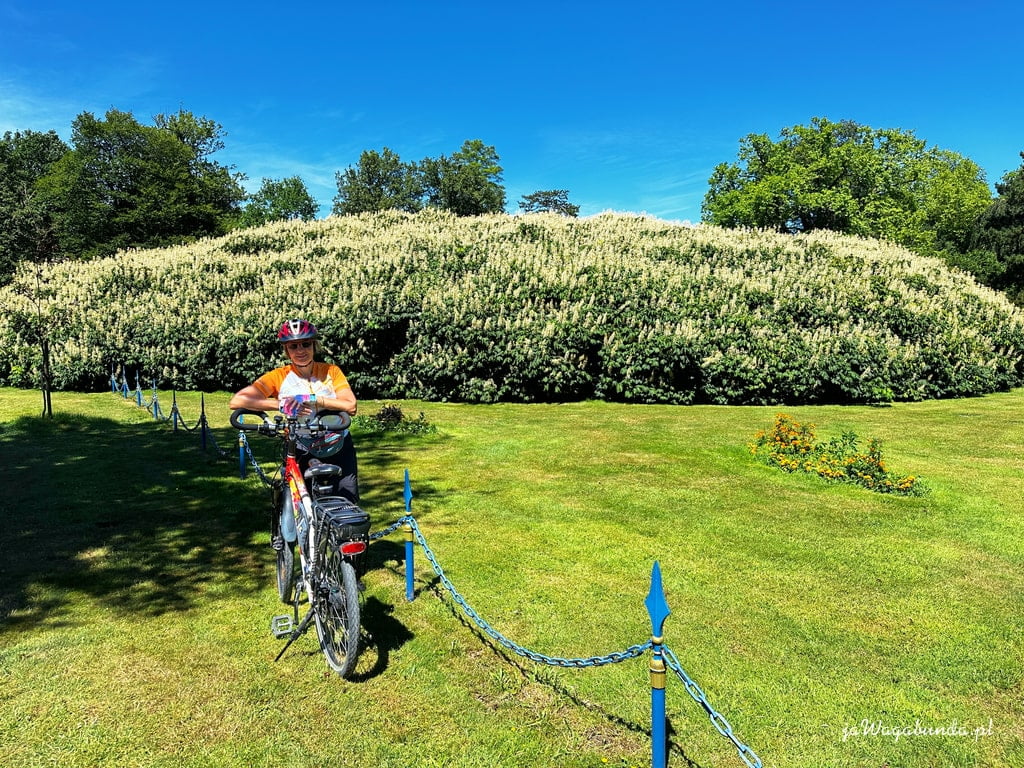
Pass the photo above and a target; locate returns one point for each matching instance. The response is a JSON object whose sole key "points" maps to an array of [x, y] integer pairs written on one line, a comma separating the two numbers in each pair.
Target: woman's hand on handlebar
{"points": [[298, 406], [306, 406], [330, 420]]}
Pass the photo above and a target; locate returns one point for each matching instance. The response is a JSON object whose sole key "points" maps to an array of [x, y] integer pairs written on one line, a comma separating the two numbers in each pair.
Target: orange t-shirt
{"points": [[325, 380]]}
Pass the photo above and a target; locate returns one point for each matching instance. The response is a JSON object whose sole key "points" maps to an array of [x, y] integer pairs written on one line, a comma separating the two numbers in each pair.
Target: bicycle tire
{"points": [[337, 613], [286, 572]]}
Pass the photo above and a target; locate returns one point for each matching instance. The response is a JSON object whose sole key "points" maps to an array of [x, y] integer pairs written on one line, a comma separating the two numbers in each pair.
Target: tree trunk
{"points": [[46, 386]]}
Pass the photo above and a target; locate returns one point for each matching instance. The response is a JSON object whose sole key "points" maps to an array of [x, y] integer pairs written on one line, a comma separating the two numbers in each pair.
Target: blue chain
{"points": [[252, 460], [388, 531], [591, 661], [747, 755], [153, 407], [181, 421], [213, 440]]}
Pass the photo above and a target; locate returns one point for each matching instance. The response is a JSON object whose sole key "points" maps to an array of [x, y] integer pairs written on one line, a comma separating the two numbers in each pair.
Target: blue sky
{"points": [[629, 106]]}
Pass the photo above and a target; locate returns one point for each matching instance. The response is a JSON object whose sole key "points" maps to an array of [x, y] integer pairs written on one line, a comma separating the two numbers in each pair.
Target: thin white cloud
{"points": [[33, 103], [654, 168], [24, 110]]}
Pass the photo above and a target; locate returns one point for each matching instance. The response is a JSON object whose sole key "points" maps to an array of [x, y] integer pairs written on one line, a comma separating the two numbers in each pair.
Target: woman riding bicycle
{"points": [[303, 387]]}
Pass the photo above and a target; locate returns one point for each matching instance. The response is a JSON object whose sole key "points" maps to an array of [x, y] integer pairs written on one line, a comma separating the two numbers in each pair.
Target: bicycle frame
{"points": [[302, 502], [331, 533]]}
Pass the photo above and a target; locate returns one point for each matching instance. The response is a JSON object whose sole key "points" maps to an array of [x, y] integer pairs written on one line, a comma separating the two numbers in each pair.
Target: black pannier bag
{"points": [[348, 521]]}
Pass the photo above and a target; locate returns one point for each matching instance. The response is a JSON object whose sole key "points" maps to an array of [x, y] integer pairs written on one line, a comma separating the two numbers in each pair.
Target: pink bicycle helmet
{"points": [[294, 330]]}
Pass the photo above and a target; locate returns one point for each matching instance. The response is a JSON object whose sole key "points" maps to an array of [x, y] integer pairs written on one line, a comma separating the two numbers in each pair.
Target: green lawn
{"points": [[136, 590]]}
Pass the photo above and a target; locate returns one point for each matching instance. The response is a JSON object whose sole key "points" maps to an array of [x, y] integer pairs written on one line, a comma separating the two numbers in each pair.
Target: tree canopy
{"points": [[553, 200], [25, 157], [1000, 231], [126, 184], [468, 183], [380, 181], [853, 179], [279, 201]]}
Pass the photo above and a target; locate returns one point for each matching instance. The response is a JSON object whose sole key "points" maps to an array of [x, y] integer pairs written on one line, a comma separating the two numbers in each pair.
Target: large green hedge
{"points": [[534, 308]]}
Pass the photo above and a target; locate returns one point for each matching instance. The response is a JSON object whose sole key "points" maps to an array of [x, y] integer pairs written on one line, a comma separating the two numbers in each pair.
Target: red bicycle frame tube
{"points": [[297, 486]]}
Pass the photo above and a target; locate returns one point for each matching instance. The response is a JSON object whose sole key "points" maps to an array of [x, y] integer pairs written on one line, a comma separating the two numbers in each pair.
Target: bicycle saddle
{"points": [[322, 470]]}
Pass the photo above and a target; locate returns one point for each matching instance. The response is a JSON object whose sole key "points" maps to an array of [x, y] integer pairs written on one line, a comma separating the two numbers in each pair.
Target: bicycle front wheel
{"points": [[286, 572], [337, 613]]}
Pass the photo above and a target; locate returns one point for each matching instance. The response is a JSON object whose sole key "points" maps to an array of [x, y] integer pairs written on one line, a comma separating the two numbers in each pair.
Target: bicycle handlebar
{"points": [[268, 427], [237, 423]]}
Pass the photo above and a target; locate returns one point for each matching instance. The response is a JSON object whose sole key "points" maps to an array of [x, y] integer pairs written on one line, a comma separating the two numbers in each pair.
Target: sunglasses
{"points": [[293, 345]]}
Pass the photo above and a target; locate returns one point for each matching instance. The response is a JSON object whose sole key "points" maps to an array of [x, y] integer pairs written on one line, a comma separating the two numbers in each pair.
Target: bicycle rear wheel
{"points": [[337, 613]]}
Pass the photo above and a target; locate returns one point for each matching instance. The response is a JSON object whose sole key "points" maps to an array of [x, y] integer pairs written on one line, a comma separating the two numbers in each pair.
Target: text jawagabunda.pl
{"points": [[878, 728]]}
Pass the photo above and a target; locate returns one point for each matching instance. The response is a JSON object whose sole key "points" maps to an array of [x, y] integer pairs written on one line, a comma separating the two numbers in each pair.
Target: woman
{"points": [[303, 387]]}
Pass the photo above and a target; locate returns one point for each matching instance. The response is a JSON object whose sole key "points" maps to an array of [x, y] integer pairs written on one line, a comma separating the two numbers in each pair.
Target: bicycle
{"points": [[330, 532]]}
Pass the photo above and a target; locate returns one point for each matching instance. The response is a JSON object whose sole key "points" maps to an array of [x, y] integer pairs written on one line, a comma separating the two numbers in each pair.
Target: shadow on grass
{"points": [[382, 459], [382, 634], [138, 519], [541, 676], [132, 516]]}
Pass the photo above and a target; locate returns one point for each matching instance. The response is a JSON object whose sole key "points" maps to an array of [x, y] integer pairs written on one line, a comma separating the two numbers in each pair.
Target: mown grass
{"points": [[136, 589]]}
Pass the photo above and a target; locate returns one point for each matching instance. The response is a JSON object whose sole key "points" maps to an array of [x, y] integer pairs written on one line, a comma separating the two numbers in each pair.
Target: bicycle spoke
{"points": [[337, 612]]}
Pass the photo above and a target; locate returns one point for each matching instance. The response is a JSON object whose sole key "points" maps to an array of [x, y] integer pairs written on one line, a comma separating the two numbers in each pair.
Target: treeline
{"points": [[466, 183], [542, 308], [122, 184], [887, 184]]}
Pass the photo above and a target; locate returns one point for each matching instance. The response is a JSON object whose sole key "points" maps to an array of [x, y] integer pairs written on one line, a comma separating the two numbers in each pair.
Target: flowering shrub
{"points": [[538, 308], [792, 447], [391, 418]]}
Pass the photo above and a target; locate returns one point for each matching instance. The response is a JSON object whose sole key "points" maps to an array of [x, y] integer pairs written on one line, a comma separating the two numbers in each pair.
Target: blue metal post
{"points": [[138, 390], [174, 409], [410, 592], [658, 610], [241, 454]]}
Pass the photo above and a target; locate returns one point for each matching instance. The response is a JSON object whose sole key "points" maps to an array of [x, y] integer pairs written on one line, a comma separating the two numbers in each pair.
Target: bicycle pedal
{"points": [[282, 626]]}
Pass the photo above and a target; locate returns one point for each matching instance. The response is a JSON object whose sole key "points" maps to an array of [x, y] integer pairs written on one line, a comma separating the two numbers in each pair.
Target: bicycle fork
{"points": [[302, 508], [289, 625]]}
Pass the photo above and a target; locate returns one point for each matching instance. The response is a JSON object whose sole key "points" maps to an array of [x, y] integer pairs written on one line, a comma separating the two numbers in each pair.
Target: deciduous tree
{"points": [[554, 200], [1000, 232], [850, 178], [279, 200], [26, 235], [468, 183], [380, 181], [25, 157], [126, 184]]}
